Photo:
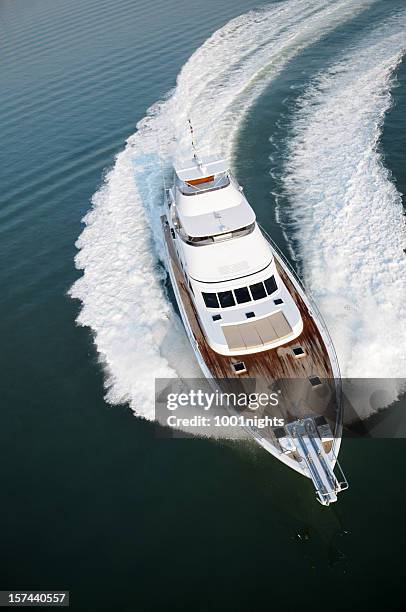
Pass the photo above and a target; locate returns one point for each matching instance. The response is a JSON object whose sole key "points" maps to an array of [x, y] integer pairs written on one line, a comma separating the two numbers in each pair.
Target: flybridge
{"points": [[221, 210], [197, 176]]}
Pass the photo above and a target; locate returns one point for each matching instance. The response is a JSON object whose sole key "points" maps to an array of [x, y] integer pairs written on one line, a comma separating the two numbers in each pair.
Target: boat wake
{"points": [[137, 334], [345, 214]]}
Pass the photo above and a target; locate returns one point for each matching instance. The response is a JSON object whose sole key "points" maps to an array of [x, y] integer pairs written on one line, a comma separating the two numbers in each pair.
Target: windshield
{"points": [[241, 295], [204, 240]]}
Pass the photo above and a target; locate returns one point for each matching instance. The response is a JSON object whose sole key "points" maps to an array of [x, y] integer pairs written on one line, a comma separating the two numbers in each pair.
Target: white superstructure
{"points": [[229, 264]]}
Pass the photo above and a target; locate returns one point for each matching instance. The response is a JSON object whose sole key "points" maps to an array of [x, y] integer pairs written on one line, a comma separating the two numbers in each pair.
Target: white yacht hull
{"points": [[302, 467]]}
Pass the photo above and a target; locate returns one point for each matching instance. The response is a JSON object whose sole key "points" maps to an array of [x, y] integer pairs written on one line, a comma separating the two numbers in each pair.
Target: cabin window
{"points": [[242, 295], [226, 299], [270, 285], [258, 291], [210, 299]]}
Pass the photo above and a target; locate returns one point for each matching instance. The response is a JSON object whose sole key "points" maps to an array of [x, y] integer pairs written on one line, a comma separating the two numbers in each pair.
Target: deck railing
{"points": [[326, 334]]}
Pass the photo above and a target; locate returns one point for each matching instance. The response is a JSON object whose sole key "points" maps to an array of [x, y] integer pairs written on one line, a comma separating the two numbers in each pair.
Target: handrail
{"points": [[311, 300], [307, 292]]}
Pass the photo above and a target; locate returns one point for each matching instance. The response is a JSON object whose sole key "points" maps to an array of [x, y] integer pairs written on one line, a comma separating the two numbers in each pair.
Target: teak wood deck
{"points": [[274, 366]]}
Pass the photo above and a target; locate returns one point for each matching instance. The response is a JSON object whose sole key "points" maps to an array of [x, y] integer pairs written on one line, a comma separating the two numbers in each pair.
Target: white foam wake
{"points": [[137, 335], [346, 212]]}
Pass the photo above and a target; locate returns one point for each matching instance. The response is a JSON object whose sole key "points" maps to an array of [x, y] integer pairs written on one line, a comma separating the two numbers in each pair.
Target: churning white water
{"points": [[137, 334], [345, 212]]}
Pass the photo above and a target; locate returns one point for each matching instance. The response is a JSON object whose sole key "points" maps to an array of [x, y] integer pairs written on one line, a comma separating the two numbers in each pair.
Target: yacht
{"points": [[248, 317]]}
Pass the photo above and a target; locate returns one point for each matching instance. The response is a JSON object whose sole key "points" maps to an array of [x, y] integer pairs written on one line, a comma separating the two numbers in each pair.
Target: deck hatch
{"points": [[239, 367], [298, 351], [280, 432], [315, 381]]}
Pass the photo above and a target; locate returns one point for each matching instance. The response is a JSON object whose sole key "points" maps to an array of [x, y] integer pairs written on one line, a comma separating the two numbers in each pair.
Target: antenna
{"points": [[195, 155]]}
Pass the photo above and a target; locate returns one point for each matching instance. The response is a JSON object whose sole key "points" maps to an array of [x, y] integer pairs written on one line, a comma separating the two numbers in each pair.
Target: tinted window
{"points": [[242, 295], [210, 299], [270, 285], [258, 291], [226, 298]]}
